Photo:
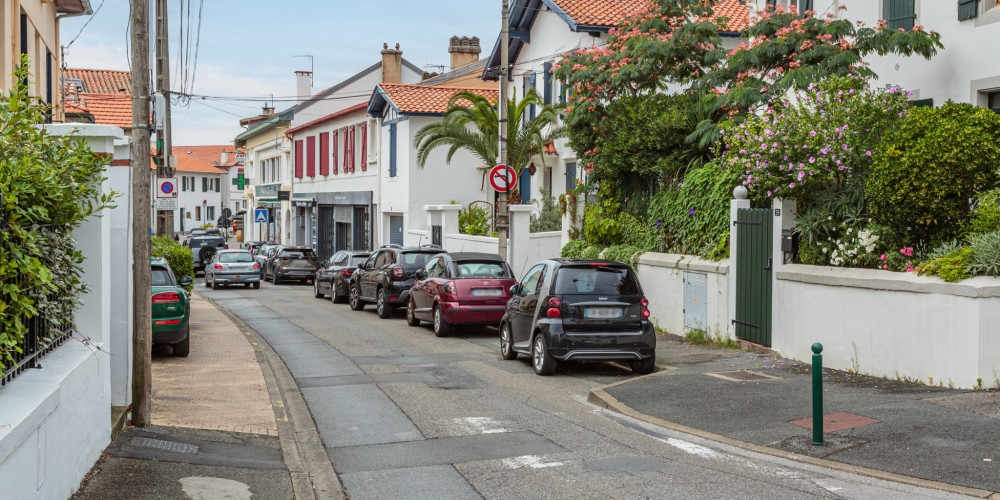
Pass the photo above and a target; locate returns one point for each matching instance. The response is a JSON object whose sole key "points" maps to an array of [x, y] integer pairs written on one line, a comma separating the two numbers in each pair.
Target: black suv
{"points": [[385, 278], [573, 309], [203, 248], [293, 263]]}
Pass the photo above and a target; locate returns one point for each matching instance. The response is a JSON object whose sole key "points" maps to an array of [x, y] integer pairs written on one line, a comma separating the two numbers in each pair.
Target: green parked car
{"points": [[171, 307]]}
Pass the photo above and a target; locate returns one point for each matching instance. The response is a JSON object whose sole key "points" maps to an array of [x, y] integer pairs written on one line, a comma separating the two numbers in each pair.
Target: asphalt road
{"points": [[404, 414]]}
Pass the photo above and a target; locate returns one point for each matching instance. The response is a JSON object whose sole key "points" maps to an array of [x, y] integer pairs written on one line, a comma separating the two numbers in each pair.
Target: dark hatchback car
{"points": [[204, 248], [293, 263], [385, 278], [460, 289], [171, 307], [334, 275], [571, 309]]}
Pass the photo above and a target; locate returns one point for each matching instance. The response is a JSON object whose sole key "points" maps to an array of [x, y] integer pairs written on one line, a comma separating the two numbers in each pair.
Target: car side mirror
{"points": [[515, 289], [186, 281], [421, 274]]}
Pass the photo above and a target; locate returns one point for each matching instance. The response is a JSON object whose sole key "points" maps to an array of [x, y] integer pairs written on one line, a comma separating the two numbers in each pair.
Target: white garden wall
{"points": [[891, 324], [662, 278]]}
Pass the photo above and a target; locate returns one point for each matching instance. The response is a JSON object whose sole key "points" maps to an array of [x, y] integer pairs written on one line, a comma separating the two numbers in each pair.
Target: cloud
{"points": [[97, 55]]}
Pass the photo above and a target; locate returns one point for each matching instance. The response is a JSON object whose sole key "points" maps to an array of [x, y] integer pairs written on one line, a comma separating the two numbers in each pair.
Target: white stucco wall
{"points": [[469, 243], [891, 324], [191, 198], [351, 94], [662, 279]]}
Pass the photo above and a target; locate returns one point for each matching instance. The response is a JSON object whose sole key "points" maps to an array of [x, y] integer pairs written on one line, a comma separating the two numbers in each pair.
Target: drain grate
{"points": [[164, 445], [741, 376]]}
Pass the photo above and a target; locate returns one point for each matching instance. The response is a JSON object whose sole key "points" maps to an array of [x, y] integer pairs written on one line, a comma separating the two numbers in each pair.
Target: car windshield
{"points": [[161, 277], [481, 269], [411, 261], [596, 280], [235, 257]]}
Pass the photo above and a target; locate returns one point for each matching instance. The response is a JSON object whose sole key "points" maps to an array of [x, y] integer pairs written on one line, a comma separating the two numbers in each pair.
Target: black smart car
{"points": [[385, 278], [572, 309], [334, 275]]}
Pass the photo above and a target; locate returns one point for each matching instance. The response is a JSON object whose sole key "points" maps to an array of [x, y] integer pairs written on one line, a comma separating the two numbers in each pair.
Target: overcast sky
{"points": [[248, 47]]}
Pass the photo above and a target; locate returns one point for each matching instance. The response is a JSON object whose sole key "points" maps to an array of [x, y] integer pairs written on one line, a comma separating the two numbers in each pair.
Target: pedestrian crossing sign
{"points": [[260, 215]]}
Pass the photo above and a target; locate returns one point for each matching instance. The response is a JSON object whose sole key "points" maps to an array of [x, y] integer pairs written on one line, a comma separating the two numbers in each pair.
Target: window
{"points": [[218, 185], [184, 183], [436, 269], [899, 14], [968, 9], [993, 100], [392, 150], [197, 213], [298, 159], [370, 263], [570, 176], [348, 150], [547, 84], [311, 156], [532, 280], [204, 184], [364, 146], [385, 258], [805, 5], [210, 213]]}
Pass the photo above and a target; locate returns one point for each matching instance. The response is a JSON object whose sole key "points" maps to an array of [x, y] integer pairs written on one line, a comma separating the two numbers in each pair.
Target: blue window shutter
{"points": [[531, 109], [570, 176], [525, 186], [967, 9], [392, 150], [547, 84]]}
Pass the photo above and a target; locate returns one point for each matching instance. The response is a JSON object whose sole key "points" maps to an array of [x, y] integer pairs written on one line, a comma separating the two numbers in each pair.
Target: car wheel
{"points": [[411, 316], [541, 359], [356, 304], [207, 284], [507, 343], [275, 279], [183, 348], [256, 285], [215, 285], [246, 285], [382, 306], [316, 292], [643, 367], [441, 327]]}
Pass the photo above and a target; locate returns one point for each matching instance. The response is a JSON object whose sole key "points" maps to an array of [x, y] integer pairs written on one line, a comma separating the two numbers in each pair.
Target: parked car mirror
{"points": [[421, 274], [186, 281], [515, 289]]}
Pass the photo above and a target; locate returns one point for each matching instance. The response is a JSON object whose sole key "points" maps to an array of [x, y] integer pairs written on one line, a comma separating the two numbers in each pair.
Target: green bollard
{"points": [[817, 372]]}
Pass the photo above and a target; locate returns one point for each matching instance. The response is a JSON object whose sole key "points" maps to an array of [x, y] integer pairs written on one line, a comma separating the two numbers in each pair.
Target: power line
{"points": [[89, 19]]}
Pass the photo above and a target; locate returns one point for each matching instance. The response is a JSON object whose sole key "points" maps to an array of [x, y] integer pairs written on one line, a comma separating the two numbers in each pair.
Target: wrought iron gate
{"points": [[754, 244]]}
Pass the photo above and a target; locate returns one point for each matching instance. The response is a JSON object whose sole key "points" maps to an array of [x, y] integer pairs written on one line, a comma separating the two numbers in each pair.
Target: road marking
{"points": [[532, 461], [691, 448], [478, 425]]}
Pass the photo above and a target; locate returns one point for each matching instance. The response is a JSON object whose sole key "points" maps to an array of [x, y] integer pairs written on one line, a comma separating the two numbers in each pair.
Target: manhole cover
{"points": [[839, 421], [700, 357], [164, 445], [741, 376]]}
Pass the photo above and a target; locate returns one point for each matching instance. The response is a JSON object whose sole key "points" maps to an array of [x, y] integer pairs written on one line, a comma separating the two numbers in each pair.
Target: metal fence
{"points": [[40, 339]]}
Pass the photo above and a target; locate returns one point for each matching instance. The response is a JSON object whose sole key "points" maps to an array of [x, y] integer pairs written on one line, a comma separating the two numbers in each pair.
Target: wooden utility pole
{"points": [[163, 86], [503, 228], [141, 218]]}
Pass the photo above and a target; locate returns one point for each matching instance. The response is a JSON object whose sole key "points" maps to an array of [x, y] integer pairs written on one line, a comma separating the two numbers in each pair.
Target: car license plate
{"points": [[487, 292], [602, 312]]}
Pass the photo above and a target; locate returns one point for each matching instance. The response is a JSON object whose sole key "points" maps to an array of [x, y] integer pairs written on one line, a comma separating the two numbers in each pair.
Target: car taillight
{"points": [[554, 312], [645, 302], [397, 272], [598, 264], [167, 322], [450, 288], [645, 313], [218, 266], [555, 302], [166, 298], [346, 272], [256, 265], [225, 247]]}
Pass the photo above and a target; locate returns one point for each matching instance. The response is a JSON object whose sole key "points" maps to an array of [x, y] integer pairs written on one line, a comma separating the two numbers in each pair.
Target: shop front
{"points": [[331, 222]]}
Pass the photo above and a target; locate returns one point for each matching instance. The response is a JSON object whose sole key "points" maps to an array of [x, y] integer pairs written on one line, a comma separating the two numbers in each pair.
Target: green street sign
{"points": [[240, 181]]}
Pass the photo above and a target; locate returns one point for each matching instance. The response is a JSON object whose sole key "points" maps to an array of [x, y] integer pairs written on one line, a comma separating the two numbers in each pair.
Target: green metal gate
{"points": [[753, 274]]}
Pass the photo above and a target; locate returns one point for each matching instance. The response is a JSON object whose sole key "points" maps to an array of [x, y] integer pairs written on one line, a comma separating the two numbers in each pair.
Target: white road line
{"points": [[532, 461]]}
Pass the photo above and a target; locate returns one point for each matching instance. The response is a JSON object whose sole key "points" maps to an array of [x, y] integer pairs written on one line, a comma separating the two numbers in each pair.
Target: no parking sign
{"points": [[166, 187]]}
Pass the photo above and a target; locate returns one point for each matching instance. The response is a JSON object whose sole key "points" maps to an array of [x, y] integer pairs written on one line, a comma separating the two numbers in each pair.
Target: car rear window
{"points": [[298, 254], [204, 242], [161, 277], [596, 280], [481, 269], [411, 261], [357, 260], [235, 257]]}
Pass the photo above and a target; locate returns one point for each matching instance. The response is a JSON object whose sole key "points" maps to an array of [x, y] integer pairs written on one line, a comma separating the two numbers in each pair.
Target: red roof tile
{"points": [[429, 99], [108, 109], [199, 159], [101, 81], [613, 12], [333, 116]]}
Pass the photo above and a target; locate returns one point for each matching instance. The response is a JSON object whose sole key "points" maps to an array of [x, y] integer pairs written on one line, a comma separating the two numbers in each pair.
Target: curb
{"points": [[601, 398], [312, 474]]}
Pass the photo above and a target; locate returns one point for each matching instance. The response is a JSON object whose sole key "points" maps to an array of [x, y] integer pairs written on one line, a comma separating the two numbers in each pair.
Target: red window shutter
{"points": [[333, 157], [324, 153], [354, 162], [298, 159], [347, 150], [311, 156], [364, 146]]}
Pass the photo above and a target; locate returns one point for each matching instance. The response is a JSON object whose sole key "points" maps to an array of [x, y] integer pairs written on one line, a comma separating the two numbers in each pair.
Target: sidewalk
{"points": [[876, 427], [214, 433]]}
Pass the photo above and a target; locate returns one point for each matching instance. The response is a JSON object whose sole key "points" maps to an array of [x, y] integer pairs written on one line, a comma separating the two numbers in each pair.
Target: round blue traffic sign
{"points": [[167, 187]]}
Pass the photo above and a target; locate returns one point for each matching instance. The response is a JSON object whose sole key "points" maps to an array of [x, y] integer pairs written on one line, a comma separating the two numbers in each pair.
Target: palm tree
{"points": [[472, 123]]}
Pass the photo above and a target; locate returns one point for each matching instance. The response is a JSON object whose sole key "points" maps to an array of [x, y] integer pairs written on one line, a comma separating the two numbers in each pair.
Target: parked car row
{"points": [[562, 310]]}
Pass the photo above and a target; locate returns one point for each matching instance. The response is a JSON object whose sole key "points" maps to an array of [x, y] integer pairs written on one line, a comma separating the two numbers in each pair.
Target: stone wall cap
{"points": [[85, 130], [877, 279], [684, 262], [520, 208]]}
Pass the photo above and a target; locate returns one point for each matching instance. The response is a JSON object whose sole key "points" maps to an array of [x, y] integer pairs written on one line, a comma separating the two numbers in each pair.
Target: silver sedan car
{"points": [[232, 267]]}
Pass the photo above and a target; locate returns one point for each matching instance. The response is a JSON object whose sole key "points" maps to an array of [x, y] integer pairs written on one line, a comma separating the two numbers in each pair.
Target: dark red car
{"points": [[460, 289]]}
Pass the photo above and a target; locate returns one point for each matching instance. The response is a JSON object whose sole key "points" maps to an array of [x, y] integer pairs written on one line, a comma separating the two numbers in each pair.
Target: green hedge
{"points": [[178, 256]]}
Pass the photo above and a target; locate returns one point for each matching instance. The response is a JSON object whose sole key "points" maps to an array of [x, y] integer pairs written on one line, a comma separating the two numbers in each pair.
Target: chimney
{"points": [[464, 51], [268, 110], [392, 64], [225, 157], [303, 83]]}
